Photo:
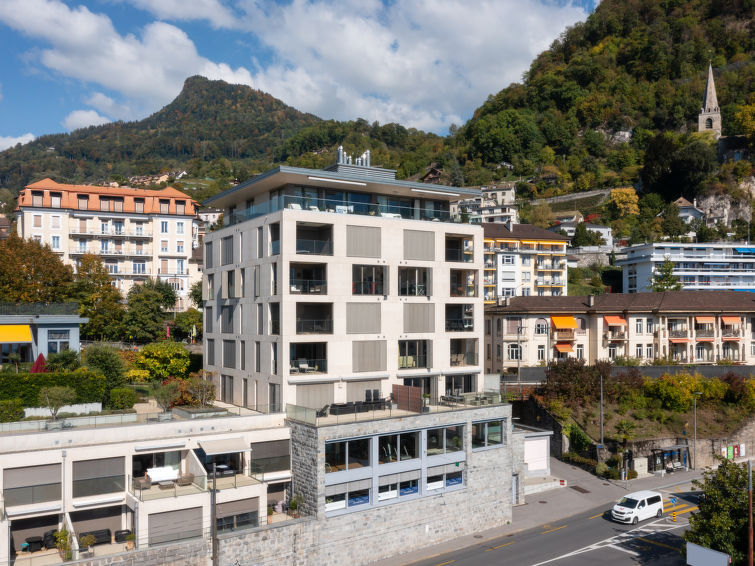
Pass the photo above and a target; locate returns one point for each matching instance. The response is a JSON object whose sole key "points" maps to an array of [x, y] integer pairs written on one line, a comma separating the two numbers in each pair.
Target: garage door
{"points": [[175, 525], [536, 454]]}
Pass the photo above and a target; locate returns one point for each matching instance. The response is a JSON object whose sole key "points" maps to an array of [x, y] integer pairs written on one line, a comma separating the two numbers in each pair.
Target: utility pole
{"points": [[519, 357], [749, 513], [601, 409]]}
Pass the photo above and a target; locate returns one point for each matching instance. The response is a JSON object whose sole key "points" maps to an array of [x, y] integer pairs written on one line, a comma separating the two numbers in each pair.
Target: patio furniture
{"points": [[35, 543], [120, 536], [143, 483], [304, 366], [163, 473], [101, 536], [49, 538], [167, 484], [322, 412]]}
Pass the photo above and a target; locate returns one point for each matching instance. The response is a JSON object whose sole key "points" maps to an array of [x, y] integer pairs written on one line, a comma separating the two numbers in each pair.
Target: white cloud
{"points": [[82, 119], [108, 106], [6, 142], [219, 15]]}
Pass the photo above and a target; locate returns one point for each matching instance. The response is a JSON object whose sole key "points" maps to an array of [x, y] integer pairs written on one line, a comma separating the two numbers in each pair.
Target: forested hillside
{"points": [[612, 102]]}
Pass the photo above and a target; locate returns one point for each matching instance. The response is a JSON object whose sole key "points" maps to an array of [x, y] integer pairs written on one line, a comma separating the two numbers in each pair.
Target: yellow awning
{"points": [[563, 322], [564, 347], [15, 333], [614, 321]]}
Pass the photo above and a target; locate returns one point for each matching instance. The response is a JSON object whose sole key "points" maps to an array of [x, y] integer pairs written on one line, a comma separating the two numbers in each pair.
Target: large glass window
{"points": [[347, 455], [368, 280], [487, 434], [413, 281], [394, 447]]}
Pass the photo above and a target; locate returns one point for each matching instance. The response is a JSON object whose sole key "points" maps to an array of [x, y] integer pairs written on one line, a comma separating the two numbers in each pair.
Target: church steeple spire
{"points": [[710, 114]]}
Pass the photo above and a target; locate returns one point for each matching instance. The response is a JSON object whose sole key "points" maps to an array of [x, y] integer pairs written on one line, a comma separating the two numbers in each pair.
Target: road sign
{"points": [[672, 500]]}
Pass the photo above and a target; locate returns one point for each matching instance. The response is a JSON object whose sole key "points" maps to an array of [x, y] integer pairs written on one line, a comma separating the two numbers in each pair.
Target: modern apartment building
{"points": [[325, 286], [138, 233], [495, 203], [523, 260], [683, 326], [701, 266], [112, 475]]}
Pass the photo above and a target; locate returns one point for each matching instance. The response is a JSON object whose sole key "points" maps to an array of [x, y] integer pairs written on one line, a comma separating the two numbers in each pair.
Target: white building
{"points": [[325, 287], [493, 204], [683, 326], [570, 228], [703, 266], [138, 233]]}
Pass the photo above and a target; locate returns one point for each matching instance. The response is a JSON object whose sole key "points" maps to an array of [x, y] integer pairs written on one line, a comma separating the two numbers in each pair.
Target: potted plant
{"points": [[130, 538], [87, 541], [425, 402], [269, 515], [293, 505], [63, 544]]}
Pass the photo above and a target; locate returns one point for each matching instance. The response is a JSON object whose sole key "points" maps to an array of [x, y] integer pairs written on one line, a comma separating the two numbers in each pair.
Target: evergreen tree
{"points": [[664, 279]]}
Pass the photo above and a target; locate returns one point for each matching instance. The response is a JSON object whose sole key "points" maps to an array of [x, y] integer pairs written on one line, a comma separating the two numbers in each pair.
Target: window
{"points": [[514, 352], [229, 354], [638, 351], [118, 227], [117, 204], [179, 247], [179, 227], [526, 260], [649, 325], [210, 286], [540, 352], [413, 281], [37, 221], [104, 204], [580, 352], [444, 440], [55, 243], [612, 351], [257, 356], [83, 202], [139, 205], [396, 447], [226, 319], [180, 207], [139, 267], [208, 255], [163, 226], [649, 351], [164, 206], [541, 326], [55, 222], [487, 434], [508, 259], [368, 280], [208, 321], [57, 340], [164, 246], [104, 245], [526, 276], [210, 350], [36, 198], [347, 455], [638, 329], [104, 228], [179, 267], [226, 250]]}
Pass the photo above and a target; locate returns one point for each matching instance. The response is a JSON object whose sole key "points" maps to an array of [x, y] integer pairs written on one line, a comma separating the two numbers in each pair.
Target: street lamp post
{"points": [[694, 445], [601, 408], [519, 357]]}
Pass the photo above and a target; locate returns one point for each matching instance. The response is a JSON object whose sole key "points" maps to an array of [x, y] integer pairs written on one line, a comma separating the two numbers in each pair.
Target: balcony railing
{"points": [[318, 247], [616, 335], [108, 233], [314, 326], [309, 365], [411, 362], [367, 288], [705, 332], [464, 359], [464, 291], [731, 333], [32, 494], [262, 466], [38, 308], [456, 254], [309, 286], [677, 334], [98, 486], [563, 334], [459, 325]]}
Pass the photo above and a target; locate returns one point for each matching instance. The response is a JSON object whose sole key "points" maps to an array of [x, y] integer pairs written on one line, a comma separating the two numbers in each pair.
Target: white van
{"points": [[638, 506]]}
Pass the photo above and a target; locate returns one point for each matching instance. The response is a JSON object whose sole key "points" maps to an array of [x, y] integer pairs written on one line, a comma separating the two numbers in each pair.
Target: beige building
{"points": [[327, 287], [138, 233], [700, 327]]}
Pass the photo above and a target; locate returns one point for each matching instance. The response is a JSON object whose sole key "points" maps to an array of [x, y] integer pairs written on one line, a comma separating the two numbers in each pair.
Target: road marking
{"points": [[632, 552], [687, 510], [661, 544], [598, 515], [444, 563], [552, 530], [499, 546]]}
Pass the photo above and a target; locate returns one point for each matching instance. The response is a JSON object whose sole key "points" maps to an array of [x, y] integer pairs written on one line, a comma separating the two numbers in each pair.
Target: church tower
{"points": [[710, 114]]}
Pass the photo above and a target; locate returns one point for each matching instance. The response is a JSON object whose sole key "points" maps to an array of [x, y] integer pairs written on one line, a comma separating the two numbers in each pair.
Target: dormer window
{"points": [[83, 202], [164, 206], [36, 198], [139, 205], [180, 207], [55, 199]]}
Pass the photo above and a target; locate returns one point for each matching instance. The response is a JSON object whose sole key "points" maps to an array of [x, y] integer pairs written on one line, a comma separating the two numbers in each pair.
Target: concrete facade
{"points": [[315, 295]]}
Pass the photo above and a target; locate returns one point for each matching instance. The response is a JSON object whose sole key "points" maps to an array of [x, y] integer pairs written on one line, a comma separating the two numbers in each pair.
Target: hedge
{"points": [[89, 385], [123, 398], [11, 410]]}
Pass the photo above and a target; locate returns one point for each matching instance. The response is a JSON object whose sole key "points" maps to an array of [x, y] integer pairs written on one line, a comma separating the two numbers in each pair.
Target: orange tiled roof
{"points": [[69, 197]]}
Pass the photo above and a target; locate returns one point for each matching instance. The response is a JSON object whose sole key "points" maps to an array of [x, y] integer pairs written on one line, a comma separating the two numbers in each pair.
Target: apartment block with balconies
{"points": [[325, 287], [137, 233], [691, 327]]}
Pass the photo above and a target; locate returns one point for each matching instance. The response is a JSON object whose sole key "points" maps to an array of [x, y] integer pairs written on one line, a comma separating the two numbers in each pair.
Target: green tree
{"points": [[55, 398], [165, 393], [32, 273], [541, 215], [98, 300], [195, 294], [664, 279], [163, 360], [721, 522], [106, 361], [186, 321], [144, 320], [672, 224], [67, 360]]}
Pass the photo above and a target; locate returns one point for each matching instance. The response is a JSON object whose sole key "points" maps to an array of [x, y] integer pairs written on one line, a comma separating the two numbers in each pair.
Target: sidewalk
{"points": [[551, 506]]}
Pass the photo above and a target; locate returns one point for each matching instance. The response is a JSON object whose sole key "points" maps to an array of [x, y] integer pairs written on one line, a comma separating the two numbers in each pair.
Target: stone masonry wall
{"points": [[306, 459], [195, 552]]}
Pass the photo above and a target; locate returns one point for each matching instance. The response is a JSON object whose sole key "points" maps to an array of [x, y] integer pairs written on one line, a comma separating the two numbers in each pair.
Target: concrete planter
{"points": [[199, 412]]}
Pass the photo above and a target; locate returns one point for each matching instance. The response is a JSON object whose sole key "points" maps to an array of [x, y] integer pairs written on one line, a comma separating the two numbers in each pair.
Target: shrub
{"points": [[581, 461], [106, 361], [578, 439], [11, 410], [640, 414], [163, 360], [614, 461], [56, 397], [137, 376], [713, 390], [89, 385], [673, 391], [67, 360], [613, 473], [123, 398], [632, 474], [601, 469]]}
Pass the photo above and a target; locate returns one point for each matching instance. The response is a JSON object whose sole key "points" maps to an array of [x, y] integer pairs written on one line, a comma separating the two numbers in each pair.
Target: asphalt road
{"points": [[588, 538]]}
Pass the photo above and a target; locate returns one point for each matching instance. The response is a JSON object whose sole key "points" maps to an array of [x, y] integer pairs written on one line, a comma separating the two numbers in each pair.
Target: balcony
{"points": [[463, 352], [678, 334], [412, 362], [308, 366], [727, 332], [316, 247], [463, 283], [413, 354], [413, 281], [459, 249], [564, 334], [98, 486], [459, 325], [307, 358], [314, 318], [309, 286], [704, 333], [463, 359], [615, 335]]}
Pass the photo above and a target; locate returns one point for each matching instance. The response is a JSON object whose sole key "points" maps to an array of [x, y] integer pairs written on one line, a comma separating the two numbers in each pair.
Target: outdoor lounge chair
{"points": [[322, 412], [187, 478]]}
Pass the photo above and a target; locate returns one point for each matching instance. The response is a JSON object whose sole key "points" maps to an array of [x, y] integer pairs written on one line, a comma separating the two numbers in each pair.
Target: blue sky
{"points": [[68, 64]]}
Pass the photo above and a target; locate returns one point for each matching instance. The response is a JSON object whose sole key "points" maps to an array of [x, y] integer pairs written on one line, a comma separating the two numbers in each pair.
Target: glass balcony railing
{"points": [[309, 286], [314, 326], [32, 494], [309, 365], [464, 359], [318, 247], [262, 466], [367, 288], [98, 486], [459, 325], [411, 362]]}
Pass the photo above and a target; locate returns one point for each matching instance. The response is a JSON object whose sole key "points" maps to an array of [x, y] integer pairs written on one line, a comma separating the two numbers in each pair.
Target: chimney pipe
{"points": [[591, 300]]}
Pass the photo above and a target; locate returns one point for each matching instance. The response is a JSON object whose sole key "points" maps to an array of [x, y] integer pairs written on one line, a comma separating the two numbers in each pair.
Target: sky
{"points": [[427, 64]]}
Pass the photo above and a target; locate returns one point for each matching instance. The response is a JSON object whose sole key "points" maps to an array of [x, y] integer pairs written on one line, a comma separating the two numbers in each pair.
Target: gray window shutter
{"points": [[419, 244], [363, 318], [419, 317], [362, 241], [369, 355]]}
